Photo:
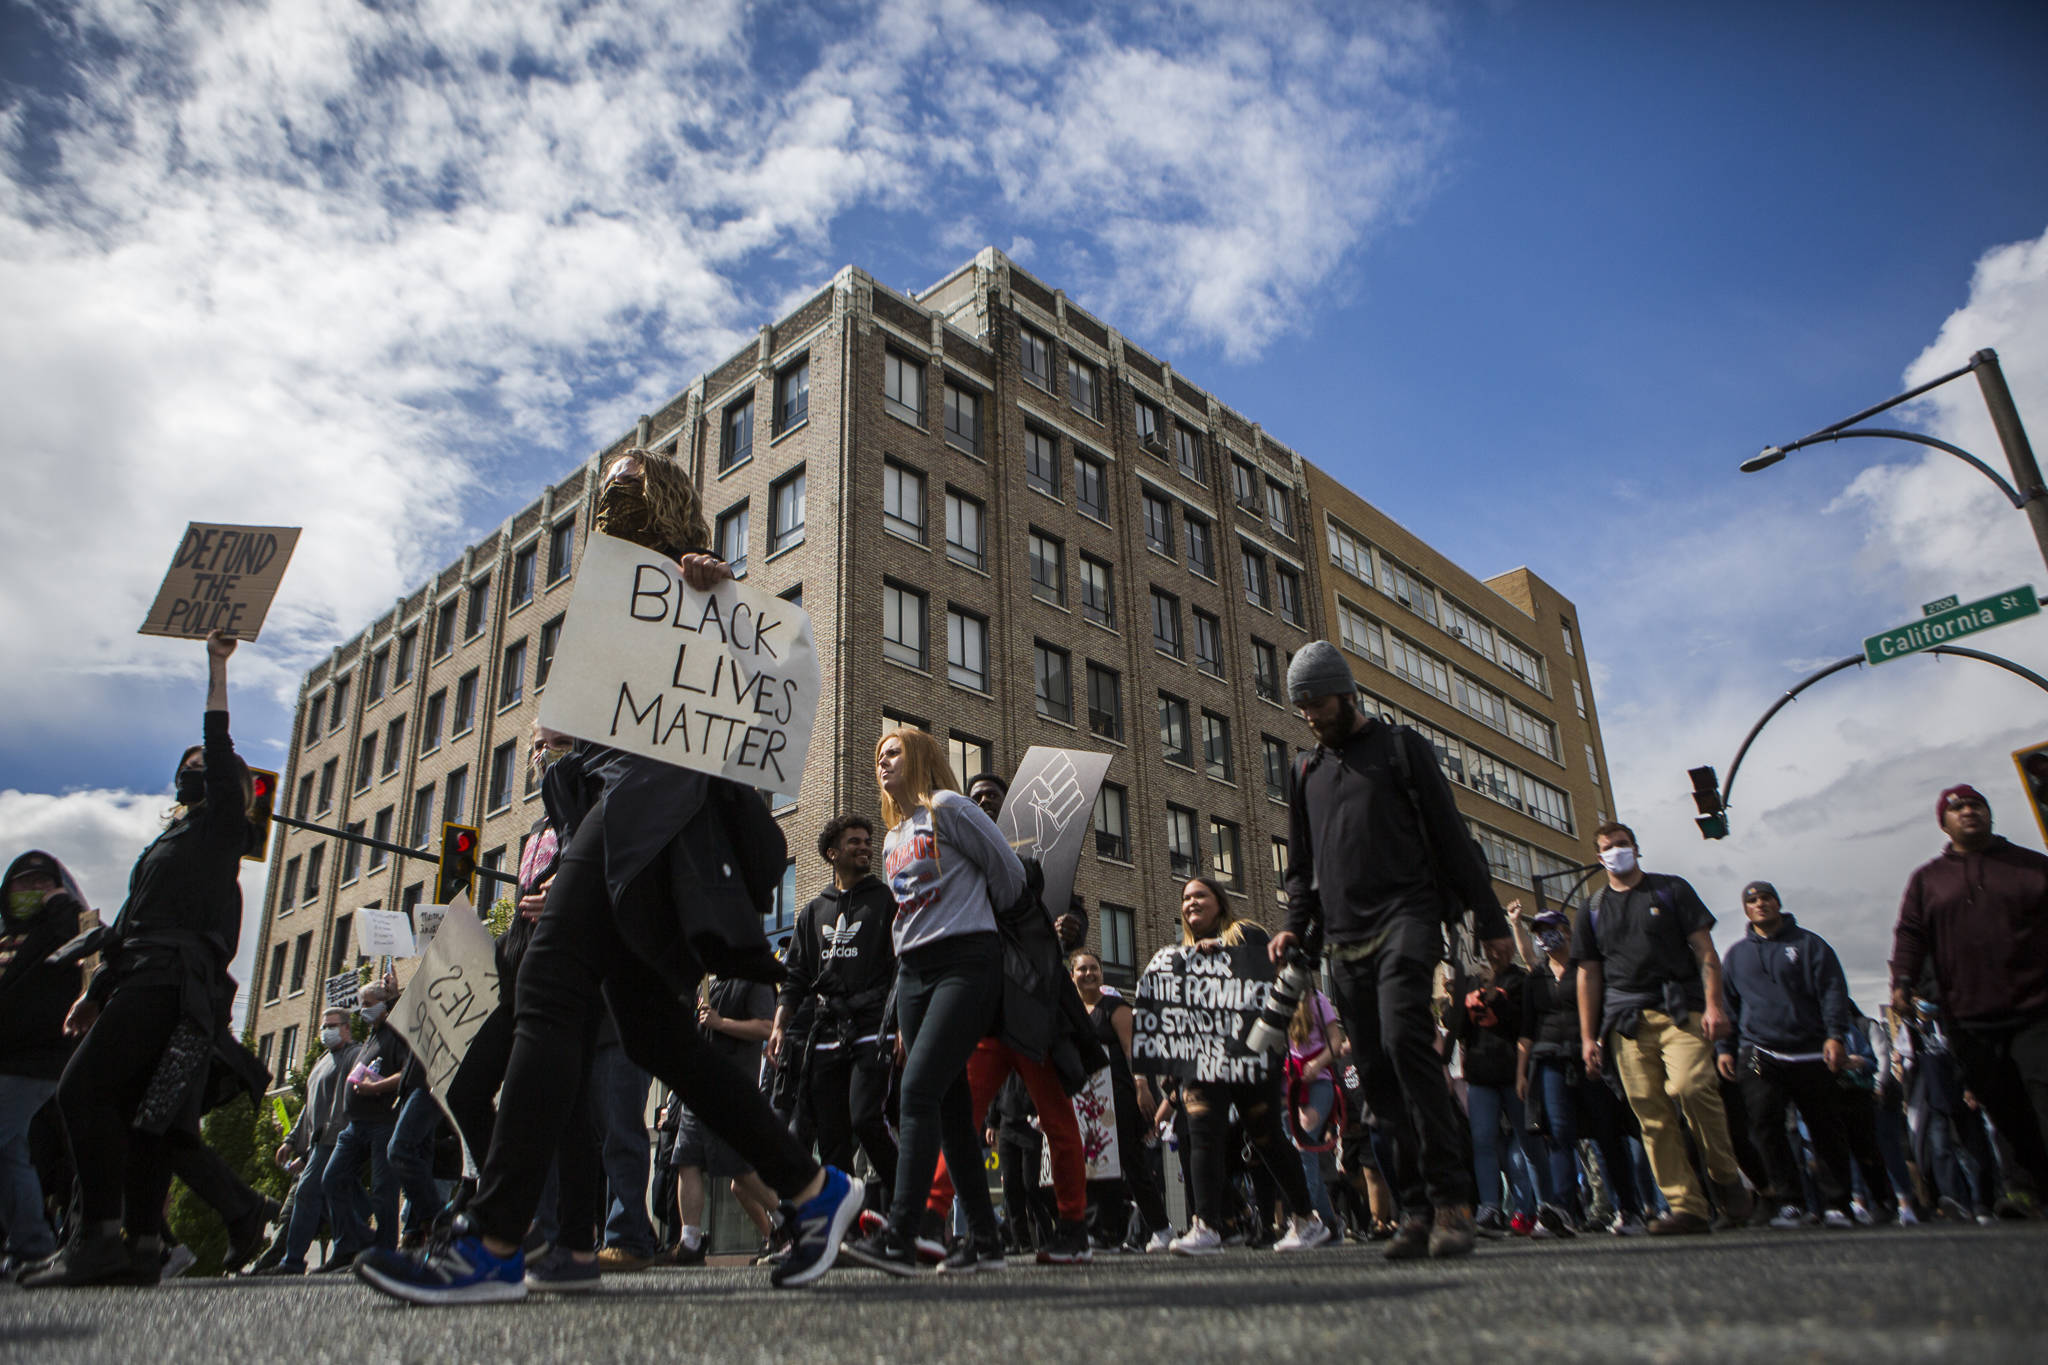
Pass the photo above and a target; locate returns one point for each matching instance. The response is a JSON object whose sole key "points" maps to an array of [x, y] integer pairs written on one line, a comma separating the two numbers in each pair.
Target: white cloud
{"points": [[1835, 803]]}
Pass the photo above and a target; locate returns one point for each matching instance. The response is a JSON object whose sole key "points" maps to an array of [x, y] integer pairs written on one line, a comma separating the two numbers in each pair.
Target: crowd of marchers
{"points": [[1456, 1070]]}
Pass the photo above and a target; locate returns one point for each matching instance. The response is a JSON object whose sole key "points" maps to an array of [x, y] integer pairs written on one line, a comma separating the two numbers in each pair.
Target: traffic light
{"points": [[1706, 794], [262, 792], [2033, 766], [457, 876]]}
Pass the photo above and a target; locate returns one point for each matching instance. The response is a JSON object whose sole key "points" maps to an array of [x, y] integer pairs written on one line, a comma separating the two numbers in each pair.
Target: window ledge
{"points": [[792, 429], [1106, 629], [904, 414], [907, 668], [984, 693], [774, 555], [741, 463], [905, 537], [1054, 498], [1055, 720]]}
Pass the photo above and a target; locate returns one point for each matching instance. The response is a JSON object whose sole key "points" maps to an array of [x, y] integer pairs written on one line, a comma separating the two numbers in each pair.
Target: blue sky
{"points": [[1532, 277]]}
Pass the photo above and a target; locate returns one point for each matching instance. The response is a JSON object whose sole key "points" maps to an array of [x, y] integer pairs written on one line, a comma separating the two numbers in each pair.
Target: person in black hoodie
{"points": [[1483, 1017], [1790, 1003], [154, 1014], [42, 910], [841, 963]]}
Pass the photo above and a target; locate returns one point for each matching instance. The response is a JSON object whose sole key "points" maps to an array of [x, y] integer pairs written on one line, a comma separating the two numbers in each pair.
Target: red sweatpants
{"points": [[987, 1069]]}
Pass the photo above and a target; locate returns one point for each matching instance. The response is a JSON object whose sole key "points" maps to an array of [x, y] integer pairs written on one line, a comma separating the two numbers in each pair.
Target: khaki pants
{"points": [[1668, 1069]]}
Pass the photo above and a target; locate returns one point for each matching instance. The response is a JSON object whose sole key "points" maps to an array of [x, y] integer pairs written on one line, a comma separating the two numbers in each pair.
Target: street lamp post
{"points": [[2024, 492]]}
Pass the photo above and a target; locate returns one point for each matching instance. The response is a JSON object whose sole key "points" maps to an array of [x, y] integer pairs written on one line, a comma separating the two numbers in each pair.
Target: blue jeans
{"points": [[363, 1141], [1491, 1149], [1320, 1096], [618, 1097], [21, 1189], [1564, 1105], [411, 1154], [309, 1206]]}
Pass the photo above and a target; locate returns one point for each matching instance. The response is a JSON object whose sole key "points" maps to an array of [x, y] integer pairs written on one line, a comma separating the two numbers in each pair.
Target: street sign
{"points": [[1949, 626], [1932, 608]]}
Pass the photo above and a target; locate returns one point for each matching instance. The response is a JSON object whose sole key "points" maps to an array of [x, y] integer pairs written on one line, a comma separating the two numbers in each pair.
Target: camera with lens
{"points": [[1294, 980]]}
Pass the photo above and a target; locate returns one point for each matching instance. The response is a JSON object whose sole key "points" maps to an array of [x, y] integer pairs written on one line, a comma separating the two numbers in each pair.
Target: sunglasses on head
{"points": [[1959, 802]]}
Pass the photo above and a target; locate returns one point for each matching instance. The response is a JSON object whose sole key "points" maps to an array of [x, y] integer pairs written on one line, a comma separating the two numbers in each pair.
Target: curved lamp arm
{"points": [[1770, 455]]}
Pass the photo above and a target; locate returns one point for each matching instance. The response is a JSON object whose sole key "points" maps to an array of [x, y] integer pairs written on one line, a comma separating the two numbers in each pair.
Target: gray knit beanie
{"points": [[1319, 670]]}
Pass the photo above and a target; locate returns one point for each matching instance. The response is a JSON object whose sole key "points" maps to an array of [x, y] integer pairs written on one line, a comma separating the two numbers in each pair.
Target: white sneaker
{"points": [[1627, 1225], [1835, 1218], [1791, 1216], [1907, 1218], [1305, 1234], [1860, 1211], [1161, 1240], [1199, 1240]]}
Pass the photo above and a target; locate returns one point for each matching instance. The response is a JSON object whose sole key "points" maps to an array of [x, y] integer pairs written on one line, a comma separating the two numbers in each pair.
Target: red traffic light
{"points": [[262, 786]]}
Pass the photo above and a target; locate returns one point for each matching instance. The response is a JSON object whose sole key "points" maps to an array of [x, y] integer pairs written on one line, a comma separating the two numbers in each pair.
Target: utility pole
{"points": [[2005, 418]]}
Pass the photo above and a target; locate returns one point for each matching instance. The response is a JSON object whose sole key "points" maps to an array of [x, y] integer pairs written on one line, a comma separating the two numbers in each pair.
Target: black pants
{"points": [[1139, 1161], [1028, 1203], [473, 1090], [210, 1177], [1384, 1002], [849, 1098], [1258, 1107], [576, 951], [946, 995], [2007, 1070], [123, 1174], [1769, 1087]]}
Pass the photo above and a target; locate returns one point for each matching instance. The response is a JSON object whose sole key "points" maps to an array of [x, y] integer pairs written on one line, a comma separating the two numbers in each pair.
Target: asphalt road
{"points": [[1869, 1296]]}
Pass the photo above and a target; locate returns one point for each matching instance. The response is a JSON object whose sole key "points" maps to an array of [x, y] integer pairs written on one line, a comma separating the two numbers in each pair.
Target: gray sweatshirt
{"points": [[948, 866]]}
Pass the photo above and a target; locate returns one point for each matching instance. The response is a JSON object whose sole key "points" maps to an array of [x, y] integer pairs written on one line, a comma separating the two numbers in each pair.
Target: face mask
{"points": [[191, 786], [333, 1037], [1551, 940], [23, 904], [373, 1013], [622, 512], [1620, 860], [548, 758]]}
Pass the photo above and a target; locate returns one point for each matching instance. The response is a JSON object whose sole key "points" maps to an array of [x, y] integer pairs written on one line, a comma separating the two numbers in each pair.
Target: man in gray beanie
{"points": [[1377, 857]]}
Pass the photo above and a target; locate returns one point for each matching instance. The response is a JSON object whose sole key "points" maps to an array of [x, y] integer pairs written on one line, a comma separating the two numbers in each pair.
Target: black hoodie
{"points": [[35, 997]]}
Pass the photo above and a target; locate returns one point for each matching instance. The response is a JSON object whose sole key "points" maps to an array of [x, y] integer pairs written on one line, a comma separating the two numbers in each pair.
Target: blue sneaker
{"points": [[819, 1223], [558, 1272], [456, 1271]]}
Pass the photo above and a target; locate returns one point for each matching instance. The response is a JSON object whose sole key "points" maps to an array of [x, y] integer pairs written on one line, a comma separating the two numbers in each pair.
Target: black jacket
{"points": [[1489, 1045], [35, 996], [1363, 854], [842, 949], [1787, 993], [1042, 1018]]}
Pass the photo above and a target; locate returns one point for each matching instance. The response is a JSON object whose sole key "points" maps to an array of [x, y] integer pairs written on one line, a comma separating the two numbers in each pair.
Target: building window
{"points": [[963, 419], [903, 501], [1592, 765], [444, 629], [1048, 569], [340, 943], [314, 858], [328, 772], [1532, 730], [786, 513], [465, 703], [455, 798], [352, 853], [793, 595], [1166, 623], [1406, 660], [782, 907], [967, 649], [430, 721], [561, 549], [1187, 450], [903, 387], [1279, 772], [1041, 461], [543, 664], [394, 746], [380, 830], [1034, 354], [897, 720], [1083, 383], [512, 678], [1105, 703], [1182, 854], [1280, 868], [1208, 643], [969, 756], [337, 704], [1405, 588], [1279, 508], [1223, 842], [1051, 685], [1119, 945], [263, 1049], [1090, 486], [1476, 698], [1254, 563], [963, 530], [1244, 484], [373, 683], [1547, 803], [305, 803], [423, 817], [729, 541], [1571, 651], [1348, 551], [1216, 746], [525, 563], [902, 624], [410, 898], [1579, 698], [1158, 523], [1265, 670], [1288, 594], [1150, 420], [1112, 824], [1360, 634], [1201, 546], [474, 617], [313, 710], [793, 396], [1098, 591], [1524, 663], [366, 761], [504, 762], [278, 956], [737, 447], [289, 895], [1173, 730]]}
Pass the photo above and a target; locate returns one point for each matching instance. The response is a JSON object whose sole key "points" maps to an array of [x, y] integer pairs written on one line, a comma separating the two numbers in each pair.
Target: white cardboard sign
{"points": [[449, 997], [1095, 1113], [383, 933], [724, 682], [221, 578], [426, 920]]}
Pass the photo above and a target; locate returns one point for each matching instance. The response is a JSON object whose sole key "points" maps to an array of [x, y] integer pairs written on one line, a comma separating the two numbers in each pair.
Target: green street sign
{"points": [[1949, 626], [1935, 608]]}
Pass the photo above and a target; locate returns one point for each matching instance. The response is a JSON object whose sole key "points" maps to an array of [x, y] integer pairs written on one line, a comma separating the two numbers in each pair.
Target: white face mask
{"points": [[333, 1037], [373, 1013], [1620, 860]]}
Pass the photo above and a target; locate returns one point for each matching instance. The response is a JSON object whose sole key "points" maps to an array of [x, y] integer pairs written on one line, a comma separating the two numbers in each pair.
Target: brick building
{"points": [[1030, 531]]}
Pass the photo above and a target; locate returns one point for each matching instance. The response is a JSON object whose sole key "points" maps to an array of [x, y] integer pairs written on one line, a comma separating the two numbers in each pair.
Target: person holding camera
{"points": [[1377, 854]]}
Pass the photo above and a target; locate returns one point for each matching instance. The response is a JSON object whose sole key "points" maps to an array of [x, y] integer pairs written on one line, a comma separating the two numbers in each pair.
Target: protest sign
{"points": [[1049, 813], [425, 920], [725, 682], [1193, 1010], [221, 578], [383, 933], [342, 991], [449, 997], [1095, 1111]]}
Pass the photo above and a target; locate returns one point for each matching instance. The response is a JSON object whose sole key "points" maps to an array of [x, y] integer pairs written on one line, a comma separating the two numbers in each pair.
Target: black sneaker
{"points": [[1410, 1241], [975, 1256], [687, 1255], [245, 1238], [1068, 1245], [89, 1258], [884, 1251]]}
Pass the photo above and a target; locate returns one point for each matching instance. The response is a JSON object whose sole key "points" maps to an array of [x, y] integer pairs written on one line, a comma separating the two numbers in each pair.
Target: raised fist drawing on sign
{"points": [[1054, 798]]}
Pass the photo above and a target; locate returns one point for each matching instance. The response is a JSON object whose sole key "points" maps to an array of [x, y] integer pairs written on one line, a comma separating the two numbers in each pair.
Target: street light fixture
{"points": [[2025, 492]]}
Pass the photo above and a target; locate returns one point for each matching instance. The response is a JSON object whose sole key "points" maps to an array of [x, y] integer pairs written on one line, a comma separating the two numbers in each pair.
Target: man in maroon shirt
{"points": [[1978, 916]]}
